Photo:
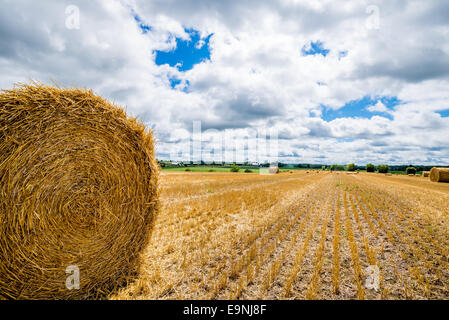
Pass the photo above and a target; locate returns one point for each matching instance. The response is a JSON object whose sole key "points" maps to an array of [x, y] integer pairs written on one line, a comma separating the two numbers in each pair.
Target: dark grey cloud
{"points": [[234, 13], [379, 143], [432, 13], [122, 94], [287, 135], [241, 110], [435, 148], [289, 154], [223, 124], [34, 38], [415, 65]]}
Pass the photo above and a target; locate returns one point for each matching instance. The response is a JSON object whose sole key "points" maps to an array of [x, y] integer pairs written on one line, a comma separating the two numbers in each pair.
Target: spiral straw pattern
{"points": [[78, 188], [439, 174]]}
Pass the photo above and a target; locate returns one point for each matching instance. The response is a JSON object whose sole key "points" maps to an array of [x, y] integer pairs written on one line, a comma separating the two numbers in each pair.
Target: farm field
{"points": [[296, 236], [196, 169], [217, 169]]}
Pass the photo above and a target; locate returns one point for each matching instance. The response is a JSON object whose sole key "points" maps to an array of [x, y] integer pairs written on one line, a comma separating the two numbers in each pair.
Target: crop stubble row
{"points": [[295, 236]]}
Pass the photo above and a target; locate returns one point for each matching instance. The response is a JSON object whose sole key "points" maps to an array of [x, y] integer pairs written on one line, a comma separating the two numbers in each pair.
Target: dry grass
{"points": [[78, 186], [296, 236]]}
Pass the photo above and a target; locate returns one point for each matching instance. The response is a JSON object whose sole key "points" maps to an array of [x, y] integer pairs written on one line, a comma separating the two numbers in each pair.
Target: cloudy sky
{"points": [[334, 81]]}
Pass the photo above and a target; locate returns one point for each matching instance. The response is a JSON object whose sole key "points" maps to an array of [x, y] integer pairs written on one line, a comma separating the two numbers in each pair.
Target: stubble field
{"points": [[296, 236]]}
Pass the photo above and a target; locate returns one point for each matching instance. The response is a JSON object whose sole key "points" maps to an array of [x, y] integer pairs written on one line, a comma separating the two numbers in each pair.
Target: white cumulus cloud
{"points": [[257, 76]]}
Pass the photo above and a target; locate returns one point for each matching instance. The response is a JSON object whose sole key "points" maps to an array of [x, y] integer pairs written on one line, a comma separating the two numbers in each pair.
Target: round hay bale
{"points": [[273, 170], [78, 194], [426, 174], [439, 175]]}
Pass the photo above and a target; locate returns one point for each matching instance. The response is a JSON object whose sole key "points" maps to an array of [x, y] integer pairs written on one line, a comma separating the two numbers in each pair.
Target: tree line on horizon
{"points": [[382, 168]]}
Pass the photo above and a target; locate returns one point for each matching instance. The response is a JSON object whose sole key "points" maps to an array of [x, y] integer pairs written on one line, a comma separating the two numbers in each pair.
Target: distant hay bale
{"points": [[426, 174], [78, 191], [439, 175], [273, 170], [388, 174]]}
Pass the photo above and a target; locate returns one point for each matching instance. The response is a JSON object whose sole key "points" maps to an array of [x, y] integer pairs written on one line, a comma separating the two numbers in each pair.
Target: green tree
{"points": [[235, 168], [383, 168], [370, 167], [350, 167], [337, 167], [411, 170]]}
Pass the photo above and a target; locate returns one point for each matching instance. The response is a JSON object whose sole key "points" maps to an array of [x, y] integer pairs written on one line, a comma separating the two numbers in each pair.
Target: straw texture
{"points": [[78, 187], [273, 170], [439, 175]]}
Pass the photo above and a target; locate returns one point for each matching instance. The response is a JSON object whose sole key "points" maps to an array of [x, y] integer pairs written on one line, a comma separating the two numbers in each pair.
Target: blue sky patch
{"points": [[175, 82], [145, 28], [443, 113], [187, 52], [314, 49], [342, 54], [358, 108]]}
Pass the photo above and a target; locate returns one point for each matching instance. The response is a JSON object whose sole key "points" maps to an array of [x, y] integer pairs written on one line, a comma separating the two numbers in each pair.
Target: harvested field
{"points": [[296, 236]]}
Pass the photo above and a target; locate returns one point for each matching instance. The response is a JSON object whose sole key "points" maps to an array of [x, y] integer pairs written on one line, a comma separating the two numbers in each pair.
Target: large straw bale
{"points": [[439, 175], [273, 170], [78, 189]]}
